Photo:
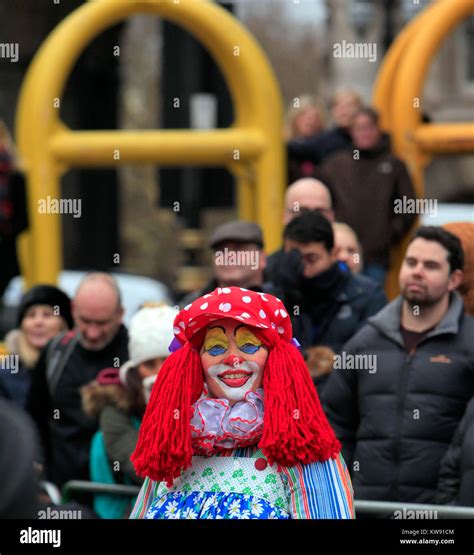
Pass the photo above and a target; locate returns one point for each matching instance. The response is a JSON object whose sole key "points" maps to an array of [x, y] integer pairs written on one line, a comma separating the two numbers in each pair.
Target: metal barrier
{"points": [[410, 510], [362, 507], [97, 487]]}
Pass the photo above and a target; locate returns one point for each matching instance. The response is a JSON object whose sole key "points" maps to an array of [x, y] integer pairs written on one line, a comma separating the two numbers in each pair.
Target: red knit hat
{"points": [[295, 428]]}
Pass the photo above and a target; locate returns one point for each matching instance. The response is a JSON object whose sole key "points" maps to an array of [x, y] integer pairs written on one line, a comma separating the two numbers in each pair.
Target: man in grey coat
{"points": [[400, 386]]}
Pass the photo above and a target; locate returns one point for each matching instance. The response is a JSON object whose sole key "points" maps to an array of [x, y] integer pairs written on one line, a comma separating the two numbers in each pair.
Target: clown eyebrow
{"points": [[238, 328], [217, 328]]}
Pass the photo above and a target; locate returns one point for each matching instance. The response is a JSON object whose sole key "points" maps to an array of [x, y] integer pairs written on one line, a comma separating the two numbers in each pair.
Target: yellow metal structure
{"points": [[398, 97], [251, 148]]}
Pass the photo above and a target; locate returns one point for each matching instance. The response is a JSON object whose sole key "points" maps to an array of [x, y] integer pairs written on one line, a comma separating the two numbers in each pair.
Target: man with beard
{"points": [[69, 362], [397, 422]]}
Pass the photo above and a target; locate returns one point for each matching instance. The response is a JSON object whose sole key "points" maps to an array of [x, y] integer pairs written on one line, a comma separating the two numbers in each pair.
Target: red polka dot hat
{"points": [[295, 428]]}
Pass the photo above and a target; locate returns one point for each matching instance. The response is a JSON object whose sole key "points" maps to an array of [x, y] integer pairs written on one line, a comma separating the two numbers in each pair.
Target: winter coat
{"points": [[456, 475], [397, 412], [112, 405], [66, 439], [14, 385], [353, 302], [364, 191]]}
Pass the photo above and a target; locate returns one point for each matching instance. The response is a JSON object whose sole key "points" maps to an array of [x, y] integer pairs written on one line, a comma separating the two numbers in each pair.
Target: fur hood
{"points": [[96, 397], [16, 344]]}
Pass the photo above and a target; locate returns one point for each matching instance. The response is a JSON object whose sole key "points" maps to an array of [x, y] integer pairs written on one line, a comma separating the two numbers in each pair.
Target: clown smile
{"points": [[235, 378]]}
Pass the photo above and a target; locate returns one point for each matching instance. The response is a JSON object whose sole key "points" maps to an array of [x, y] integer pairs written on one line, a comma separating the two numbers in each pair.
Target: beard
{"points": [[421, 297]]}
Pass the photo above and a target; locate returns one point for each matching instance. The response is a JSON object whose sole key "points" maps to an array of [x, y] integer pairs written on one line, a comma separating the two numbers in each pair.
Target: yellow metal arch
{"points": [[397, 95], [251, 147]]}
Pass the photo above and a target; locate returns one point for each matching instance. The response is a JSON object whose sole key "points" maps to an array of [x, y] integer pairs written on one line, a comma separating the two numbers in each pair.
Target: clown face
{"points": [[233, 359]]}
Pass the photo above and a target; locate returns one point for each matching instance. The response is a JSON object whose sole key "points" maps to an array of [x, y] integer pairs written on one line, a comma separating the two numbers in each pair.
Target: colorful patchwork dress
{"points": [[242, 485]]}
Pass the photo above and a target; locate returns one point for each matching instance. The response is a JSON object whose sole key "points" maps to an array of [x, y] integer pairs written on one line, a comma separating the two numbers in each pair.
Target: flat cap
{"points": [[238, 231]]}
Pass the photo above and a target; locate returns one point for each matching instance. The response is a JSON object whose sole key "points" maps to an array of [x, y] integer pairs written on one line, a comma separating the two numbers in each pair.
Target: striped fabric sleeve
{"points": [[320, 490], [145, 497]]}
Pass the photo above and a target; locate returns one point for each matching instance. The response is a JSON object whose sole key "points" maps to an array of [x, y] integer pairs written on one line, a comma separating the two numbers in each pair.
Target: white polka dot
{"points": [[225, 307], [226, 290], [243, 289], [263, 297], [283, 313], [279, 300], [207, 296], [204, 306], [191, 324], [262, 314], [245, 315], [261, 326], [247, 299], [219, 290], [277, 312], [239, 317], [280, 329], [273, 325], [176, 330], [187, 307], [182, 325]]}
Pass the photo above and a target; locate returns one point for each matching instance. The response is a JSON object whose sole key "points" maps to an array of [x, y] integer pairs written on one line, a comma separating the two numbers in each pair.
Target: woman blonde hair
{"points": [[298, 106]]}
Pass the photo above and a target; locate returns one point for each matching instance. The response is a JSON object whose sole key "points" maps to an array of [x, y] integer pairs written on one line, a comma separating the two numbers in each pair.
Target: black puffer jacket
{"points": [[397, 422], [456, 476]]}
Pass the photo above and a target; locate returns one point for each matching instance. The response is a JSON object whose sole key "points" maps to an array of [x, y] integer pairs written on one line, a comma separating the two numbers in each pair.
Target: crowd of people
{"points": [[395, 379]]}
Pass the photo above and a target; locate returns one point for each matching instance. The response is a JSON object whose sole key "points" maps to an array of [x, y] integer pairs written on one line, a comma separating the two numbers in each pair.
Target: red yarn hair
{"points": [[295, 427]]}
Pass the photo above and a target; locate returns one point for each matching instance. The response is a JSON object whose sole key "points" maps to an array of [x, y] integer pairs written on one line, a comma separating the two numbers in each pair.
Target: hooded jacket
{"points": [[397, 412], [15, 385]]}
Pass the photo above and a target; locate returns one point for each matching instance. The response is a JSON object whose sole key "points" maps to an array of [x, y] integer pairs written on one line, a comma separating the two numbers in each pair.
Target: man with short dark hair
{"points": [[402, 383], [328, 303]]}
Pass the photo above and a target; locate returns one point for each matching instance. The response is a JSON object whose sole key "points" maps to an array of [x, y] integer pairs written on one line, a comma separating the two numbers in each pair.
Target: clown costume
{"points": [[234, 427]]}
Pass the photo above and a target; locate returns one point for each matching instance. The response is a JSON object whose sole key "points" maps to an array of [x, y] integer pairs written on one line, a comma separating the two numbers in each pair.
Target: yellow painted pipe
{"points": [[48, 148], [110, 148]]}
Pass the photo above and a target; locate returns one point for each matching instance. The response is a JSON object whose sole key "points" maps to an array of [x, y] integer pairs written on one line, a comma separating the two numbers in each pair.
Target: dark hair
{"points": [[310, 227], [370, 113], [446, 239], [135, 392]]}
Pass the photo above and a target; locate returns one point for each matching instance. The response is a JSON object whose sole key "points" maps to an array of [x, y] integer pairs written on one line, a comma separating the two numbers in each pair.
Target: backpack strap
{"points": [[59, 352]]}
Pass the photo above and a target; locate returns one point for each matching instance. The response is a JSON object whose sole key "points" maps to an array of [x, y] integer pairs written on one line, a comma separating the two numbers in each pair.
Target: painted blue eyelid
{"points": [[250, 349], [215, 351]]}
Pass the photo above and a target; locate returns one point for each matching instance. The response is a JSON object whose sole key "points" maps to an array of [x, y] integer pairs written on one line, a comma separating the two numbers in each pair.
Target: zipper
{"points": [[402, 389]]}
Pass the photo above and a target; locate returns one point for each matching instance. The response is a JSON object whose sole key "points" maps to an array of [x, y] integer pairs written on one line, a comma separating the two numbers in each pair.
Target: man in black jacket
{"points": [[69, 362], [401, 385], [328, 304]]}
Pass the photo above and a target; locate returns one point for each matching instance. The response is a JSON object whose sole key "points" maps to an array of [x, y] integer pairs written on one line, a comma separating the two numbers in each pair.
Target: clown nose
{"points": [[233, 360]]}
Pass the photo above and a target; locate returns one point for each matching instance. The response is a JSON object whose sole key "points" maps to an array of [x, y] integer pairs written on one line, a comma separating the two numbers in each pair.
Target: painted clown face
{"points": [[233, 359]]}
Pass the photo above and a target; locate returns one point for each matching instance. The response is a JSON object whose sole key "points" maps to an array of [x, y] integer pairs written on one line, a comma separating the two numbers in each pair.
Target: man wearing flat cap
{"points": [[238, 259]]}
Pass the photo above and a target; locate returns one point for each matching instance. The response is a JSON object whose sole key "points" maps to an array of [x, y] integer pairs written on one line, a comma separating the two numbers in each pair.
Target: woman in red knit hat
{"points": [[234, 427]]}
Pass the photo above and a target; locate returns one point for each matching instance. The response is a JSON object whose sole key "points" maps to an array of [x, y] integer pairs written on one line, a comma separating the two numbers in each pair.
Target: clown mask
{"points": [[233, 359]]}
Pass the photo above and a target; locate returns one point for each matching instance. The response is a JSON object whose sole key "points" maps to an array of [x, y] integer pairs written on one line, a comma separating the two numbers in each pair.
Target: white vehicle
{"points": [[446, 213], [135, 290]]}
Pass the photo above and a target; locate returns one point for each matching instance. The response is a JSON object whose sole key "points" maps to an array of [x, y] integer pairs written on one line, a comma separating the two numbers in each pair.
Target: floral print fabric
{"points": [[209, 505]]}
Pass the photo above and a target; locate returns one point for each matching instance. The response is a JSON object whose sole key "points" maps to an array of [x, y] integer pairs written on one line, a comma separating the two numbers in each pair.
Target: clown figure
{"points": [[234, 427]]}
